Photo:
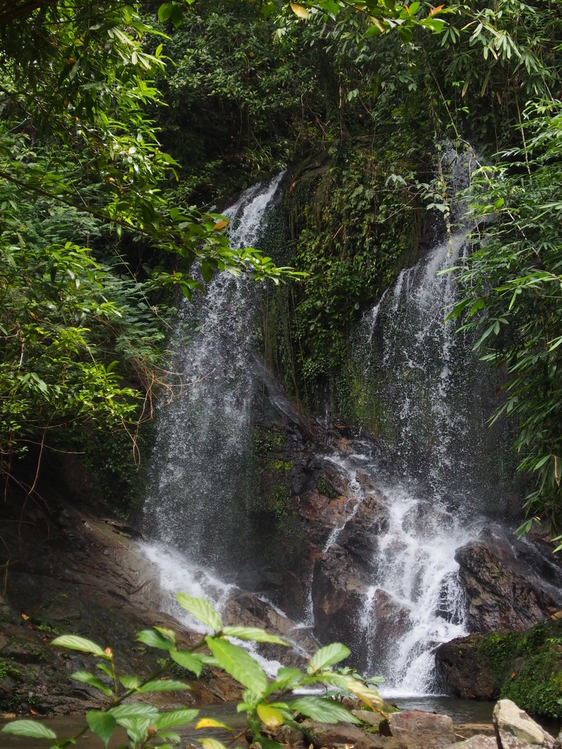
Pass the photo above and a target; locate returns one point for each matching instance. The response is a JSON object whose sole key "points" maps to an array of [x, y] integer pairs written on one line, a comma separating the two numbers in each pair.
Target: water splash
{"points": [[200, 461]]}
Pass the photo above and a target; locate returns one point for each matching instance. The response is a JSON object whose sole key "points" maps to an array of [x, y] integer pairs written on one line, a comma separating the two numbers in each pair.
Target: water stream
{"points": [[432, 472]]}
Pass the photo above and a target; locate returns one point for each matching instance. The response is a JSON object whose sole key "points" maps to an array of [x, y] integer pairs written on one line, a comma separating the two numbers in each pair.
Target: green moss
{"points": [[325, 488], [351, 229], [527, 666]]}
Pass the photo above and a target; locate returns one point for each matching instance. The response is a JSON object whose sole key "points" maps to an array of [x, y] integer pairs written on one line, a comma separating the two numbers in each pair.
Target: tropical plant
{"points": [[513, 296], [268, 704]]}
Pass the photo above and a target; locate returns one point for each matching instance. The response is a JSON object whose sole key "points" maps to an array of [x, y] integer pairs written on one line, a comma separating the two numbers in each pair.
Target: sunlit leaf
{"points": [[201, 610], [239, 664]]}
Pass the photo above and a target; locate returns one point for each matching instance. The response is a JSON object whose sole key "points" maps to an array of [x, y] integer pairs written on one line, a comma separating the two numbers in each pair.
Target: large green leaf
{"points": [[136, 726], [102, 724], [286, 678], [130, 682], [87, 678], [155, 640], [175, 718], [164, 685], [133, 711], [238, 663], [30, 728], [253, 633], [324, 710], [329, 655], [201, 609], [188, 660], [73, 642]]}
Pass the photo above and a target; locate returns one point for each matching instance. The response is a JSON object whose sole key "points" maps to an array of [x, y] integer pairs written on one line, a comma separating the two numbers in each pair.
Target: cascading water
{"points": [[199, 535], [430, 469]]}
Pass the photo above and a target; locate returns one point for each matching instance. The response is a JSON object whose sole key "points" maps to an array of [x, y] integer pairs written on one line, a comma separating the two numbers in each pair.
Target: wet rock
{"points": [[372, 718], [502, 592], [420, 730], [338, 594], [424, 520], [360, 534], [524, 666], [66, 584], [243, 608], [479, 741], [391, 618], [516, 730], [466, 670], [337, 736]]}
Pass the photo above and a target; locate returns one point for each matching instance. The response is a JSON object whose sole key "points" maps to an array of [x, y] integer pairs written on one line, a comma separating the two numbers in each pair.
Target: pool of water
{"points": [[461, 711]]}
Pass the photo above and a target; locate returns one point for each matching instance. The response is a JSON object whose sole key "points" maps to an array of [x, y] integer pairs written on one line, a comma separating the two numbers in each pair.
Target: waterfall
{"points": [[200, 462], [432, 475], [430, 468]]}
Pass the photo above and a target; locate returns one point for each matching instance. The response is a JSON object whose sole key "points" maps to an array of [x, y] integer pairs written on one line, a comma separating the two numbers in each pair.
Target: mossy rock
{"points": [[525, 667]]}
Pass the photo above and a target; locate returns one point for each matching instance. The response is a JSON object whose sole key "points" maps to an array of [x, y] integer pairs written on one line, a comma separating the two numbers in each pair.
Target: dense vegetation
{"points": [[359, 100]]}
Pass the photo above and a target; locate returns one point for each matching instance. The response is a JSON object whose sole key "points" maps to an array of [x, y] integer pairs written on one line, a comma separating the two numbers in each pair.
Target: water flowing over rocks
{"points": [[80, 575]]}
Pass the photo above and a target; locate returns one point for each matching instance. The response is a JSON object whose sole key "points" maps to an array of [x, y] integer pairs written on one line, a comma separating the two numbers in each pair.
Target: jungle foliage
{"points": [[97, 215]]}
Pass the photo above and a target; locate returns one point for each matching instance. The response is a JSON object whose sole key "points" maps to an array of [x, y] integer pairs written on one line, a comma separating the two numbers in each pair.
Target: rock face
{"points": [[502, 592], [516, 730], [478, 741], [80, 575], [465, 669], [420, 730], [243, 608], [338, 592]]}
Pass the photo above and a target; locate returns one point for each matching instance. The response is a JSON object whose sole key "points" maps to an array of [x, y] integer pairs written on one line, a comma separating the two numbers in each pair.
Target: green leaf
{"points": [[30, 728], [87, 678], [175, 737], [102, 667], [163, 685], [207, 272], [329, 655], [324, 710], [239, 664], [175, 718], [155, 640], [188, 660], [102, 724], [73, 642], [253, 633], [200, 609], [135, 710], [211, 744], [130, 682], [169, 634], [164, 12]]}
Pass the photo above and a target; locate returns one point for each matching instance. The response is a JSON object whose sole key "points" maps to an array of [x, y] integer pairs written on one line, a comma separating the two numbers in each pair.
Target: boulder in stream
{"points": [[420, 730], [516, 730]]}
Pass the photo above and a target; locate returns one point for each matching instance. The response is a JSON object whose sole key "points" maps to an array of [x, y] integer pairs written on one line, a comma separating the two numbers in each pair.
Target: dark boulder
{"points": [[502, 592]]}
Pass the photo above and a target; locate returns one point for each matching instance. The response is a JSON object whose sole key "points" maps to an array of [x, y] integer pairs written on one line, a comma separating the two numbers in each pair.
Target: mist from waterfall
{"points": [[201, 458]]}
